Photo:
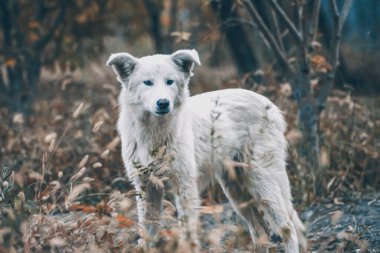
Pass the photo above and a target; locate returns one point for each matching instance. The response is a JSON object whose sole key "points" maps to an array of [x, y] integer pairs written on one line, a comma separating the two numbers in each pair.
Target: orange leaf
{"points": [[82, 18], [320, 63], [33, 37], [124, 222], [167, 233], [10, 62], [83, 208], [33, 24]]}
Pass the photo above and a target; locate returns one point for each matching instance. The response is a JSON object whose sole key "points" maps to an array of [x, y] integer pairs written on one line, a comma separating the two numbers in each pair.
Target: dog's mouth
{"points": [[162, 112]]}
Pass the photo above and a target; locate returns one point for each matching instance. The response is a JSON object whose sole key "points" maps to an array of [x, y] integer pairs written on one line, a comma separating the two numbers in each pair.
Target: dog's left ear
{"points": [[185, 60]]}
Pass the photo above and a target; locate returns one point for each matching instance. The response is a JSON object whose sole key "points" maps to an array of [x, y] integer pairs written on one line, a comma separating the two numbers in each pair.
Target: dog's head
{"points": [[156, 83]]}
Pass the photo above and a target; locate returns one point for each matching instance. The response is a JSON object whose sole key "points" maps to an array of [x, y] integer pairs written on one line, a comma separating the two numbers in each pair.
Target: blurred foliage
{"points": [[69, 186], [56, 34], [63, 185]]}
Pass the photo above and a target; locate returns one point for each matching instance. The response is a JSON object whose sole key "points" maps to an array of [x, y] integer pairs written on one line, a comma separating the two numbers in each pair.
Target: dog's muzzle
{"points": [[163, 106]]}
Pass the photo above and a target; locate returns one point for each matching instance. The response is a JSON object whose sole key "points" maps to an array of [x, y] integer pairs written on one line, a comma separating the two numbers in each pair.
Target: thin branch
{"points": [[41, 11], [299, 15], [6, 25], [269, 37], [334, 6], [154, 9], [297, 35], [3, 87], [344, 13], [304, 63], [339, 19], [231, 22], [173, 15], [315, 20], [42, 42], [277, 30]]}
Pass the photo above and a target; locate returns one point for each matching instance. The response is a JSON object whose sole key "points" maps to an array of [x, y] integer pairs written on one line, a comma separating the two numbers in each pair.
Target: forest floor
{"points": [[66, 189], [352, 225]]}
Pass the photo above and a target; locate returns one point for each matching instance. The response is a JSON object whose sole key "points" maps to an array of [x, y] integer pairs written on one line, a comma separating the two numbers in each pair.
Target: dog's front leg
{"points": [[148, 200], [187, 202], [153, 198]]}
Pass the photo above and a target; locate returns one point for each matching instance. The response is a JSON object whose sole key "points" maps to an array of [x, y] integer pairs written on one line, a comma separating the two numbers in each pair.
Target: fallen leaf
{"points": [[214, 209], [336, 216], [83, 208], [124, 222], [113, 144]]}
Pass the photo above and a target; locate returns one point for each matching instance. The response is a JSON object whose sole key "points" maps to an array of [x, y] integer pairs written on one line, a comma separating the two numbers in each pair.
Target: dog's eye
{"points": [[148, 82], [169, 82]]}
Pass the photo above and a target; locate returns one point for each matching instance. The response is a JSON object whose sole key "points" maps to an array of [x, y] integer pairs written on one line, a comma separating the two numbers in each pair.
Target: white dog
{"points": [[233, 137]]}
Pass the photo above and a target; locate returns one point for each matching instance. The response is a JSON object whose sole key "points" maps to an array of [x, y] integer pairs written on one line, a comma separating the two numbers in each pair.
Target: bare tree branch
{"points": [[334, 6], [277, 30], [339, 19], [244, 54], [3, 88], [315, 20], [154, 11], [344, 13], [231, 22], [299, 16], [269, 37], [297, 35], [6, 25], [42, 42]]}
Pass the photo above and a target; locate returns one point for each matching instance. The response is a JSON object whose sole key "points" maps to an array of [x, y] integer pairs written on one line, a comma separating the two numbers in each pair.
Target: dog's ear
{"points": [[123, 64], [185, 60]]}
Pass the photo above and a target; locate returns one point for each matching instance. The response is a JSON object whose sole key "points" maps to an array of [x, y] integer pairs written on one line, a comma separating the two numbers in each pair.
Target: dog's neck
{"points": [[155, 131]]}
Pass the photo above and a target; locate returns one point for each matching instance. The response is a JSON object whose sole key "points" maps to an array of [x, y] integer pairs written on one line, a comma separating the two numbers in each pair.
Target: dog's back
{"points": [[237, 118]]}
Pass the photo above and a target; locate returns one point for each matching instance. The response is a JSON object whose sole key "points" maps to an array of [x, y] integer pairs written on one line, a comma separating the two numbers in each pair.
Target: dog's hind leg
{"points": [[270, 186], [243, 203]]}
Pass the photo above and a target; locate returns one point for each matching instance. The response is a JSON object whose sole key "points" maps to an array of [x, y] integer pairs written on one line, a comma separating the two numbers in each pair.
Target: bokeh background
{"points": [[62, 181]]}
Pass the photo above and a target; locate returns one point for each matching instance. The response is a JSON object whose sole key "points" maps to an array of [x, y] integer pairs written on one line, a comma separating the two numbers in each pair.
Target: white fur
{"points": [[204, 132]]}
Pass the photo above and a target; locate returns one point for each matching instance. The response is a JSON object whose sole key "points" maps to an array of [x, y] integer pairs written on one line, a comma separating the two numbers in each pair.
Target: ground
{"points": [[63, 185]]}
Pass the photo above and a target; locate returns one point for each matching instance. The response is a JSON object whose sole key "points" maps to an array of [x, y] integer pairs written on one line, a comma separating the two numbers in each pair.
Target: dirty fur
{"points": [[197, 135]]}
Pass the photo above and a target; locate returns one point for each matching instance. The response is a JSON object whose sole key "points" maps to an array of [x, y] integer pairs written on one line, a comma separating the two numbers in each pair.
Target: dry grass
{"points": [[65, 188]]}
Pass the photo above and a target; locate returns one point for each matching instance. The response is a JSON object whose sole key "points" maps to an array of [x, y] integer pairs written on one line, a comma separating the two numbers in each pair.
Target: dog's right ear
{"points": [[123, 65], [185, 60]]}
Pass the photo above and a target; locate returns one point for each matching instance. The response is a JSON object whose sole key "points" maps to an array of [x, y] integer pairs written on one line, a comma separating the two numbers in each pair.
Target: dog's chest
{"points": [[150, 160]]}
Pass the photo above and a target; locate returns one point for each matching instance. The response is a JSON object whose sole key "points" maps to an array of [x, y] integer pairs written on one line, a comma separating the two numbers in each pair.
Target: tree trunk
{"points": [[154, 9], [236, 37], [23, 82], [309, 150]]}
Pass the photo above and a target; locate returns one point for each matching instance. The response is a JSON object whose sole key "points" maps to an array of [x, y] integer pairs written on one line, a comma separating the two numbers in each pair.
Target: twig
{"points": [[3, 88], [339, 19], [293, 30], [42, 42], [299, 16], [277, 30], [315, 20], [344, 13], [231, 22], [269, 37], [6, 25]]}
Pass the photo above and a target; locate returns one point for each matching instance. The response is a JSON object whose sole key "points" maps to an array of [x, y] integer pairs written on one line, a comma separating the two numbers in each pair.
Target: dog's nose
{"points": [[163, 104]]}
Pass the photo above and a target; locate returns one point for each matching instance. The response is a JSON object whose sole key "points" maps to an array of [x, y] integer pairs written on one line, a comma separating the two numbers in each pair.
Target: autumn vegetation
{"points": [[62, 183]]}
